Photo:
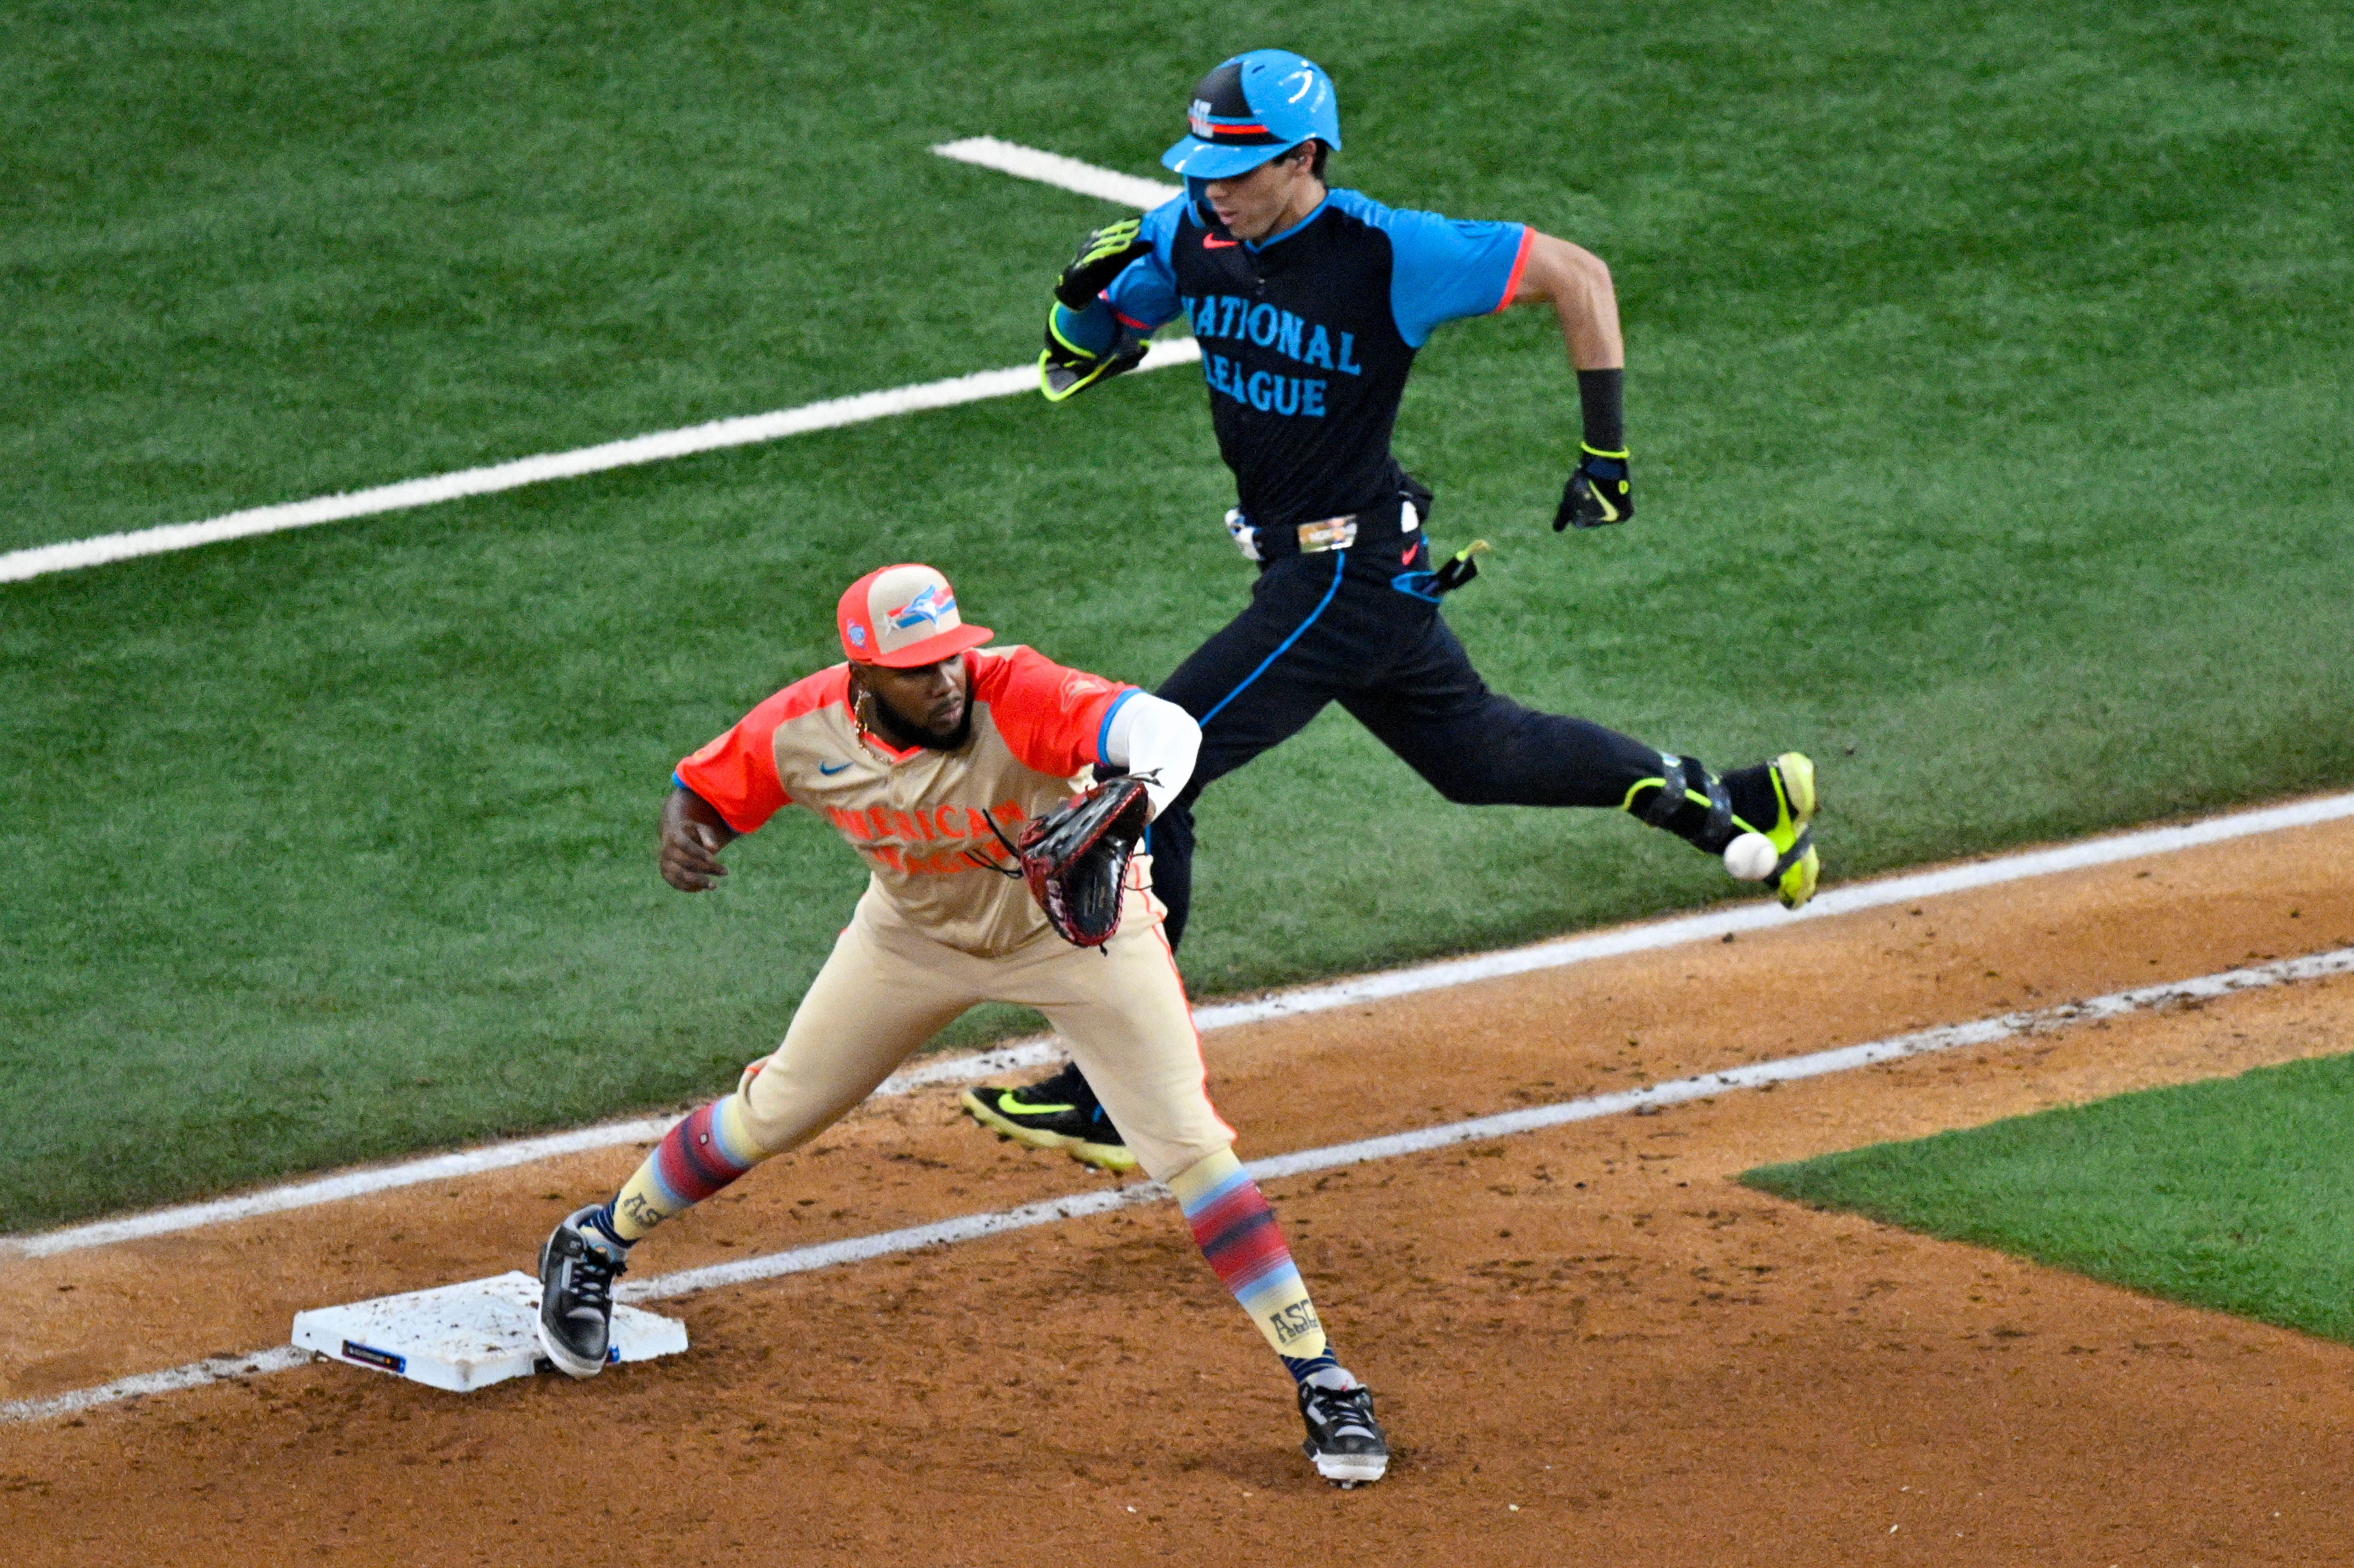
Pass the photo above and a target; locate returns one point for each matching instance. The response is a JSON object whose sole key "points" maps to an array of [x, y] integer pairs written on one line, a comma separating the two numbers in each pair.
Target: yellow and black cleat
{"points": [[1798, 870], [1048, 1121], [1695, 805]]}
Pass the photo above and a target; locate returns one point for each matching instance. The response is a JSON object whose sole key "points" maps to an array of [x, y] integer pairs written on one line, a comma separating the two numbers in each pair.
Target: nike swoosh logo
{"points": [[1012, 1107], [1212, 242], [830, 772]]}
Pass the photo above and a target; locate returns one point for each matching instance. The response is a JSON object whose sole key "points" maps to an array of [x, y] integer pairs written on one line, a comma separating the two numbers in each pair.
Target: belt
{"points": [[1380, 525]]}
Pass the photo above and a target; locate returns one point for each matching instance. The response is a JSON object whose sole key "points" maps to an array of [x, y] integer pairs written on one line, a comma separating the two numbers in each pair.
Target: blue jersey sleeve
{"points": [[1145, 294], [1442, 269]]}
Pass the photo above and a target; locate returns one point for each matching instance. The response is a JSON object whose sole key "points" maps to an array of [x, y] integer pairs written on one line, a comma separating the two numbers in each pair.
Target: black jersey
{"points": [[1307, 338]]}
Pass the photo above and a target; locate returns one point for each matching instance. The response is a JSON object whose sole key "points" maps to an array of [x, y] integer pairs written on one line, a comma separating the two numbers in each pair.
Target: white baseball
{"points": [[1751, 857]]}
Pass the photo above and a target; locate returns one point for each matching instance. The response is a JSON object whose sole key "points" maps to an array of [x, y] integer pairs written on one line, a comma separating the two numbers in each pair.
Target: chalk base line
{"points": [[1022, 1057], [1652, 1097]]}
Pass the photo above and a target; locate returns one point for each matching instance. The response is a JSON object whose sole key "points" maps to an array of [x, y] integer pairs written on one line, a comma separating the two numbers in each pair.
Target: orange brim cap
{"points": [[902, 617], [932, 649]]}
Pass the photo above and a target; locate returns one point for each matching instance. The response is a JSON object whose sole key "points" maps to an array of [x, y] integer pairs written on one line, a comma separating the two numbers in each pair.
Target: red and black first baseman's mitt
{"points": [[1075, 856]]}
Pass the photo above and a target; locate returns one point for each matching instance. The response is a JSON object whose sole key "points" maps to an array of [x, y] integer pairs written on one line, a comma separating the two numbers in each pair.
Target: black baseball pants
{"points": [[1329, 628]]}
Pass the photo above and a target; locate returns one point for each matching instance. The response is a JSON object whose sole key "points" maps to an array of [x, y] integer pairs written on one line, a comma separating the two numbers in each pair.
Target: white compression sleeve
{"points": [[1151, 736]]}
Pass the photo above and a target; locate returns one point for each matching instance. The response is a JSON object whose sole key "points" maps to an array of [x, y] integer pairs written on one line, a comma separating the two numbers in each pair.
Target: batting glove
{"points": [[1102, 256], [1598, 491], [1065, 369]]}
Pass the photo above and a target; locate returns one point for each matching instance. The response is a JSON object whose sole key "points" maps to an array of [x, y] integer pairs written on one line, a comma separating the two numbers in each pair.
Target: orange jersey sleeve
{"points": [[737, 772], [1053, 718]]}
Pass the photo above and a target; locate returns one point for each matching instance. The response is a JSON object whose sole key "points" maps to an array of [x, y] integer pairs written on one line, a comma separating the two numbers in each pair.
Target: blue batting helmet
{"points": [[1252, 108]]}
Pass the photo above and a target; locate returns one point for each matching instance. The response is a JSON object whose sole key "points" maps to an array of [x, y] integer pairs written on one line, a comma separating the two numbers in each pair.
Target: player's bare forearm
{"points": [[1577, 283], [692, 835], [1574, 281]]}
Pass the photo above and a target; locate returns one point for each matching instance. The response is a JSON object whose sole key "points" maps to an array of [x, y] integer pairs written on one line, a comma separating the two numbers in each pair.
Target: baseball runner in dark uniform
{"points": [[1309, 304]]}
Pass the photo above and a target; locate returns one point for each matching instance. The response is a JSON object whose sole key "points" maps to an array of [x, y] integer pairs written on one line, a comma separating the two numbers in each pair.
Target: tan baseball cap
{"points": [[903, 617]]}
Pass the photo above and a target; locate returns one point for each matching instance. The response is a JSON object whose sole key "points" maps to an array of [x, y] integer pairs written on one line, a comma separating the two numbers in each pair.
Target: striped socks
{"points": [[1237, 1231], [695, 1159], [1230, 1220]]}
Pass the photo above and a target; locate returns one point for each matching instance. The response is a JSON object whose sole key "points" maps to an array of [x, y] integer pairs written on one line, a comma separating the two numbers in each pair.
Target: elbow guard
{"points": [[1156, 740]]}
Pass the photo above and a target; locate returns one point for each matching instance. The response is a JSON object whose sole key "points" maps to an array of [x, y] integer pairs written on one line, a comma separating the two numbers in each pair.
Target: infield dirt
{"points": [[1588, 1343]]}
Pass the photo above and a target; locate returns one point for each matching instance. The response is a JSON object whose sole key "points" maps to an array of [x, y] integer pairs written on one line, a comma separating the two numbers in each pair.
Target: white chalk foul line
{"points": [[1016, 1058], [1392, 1146], [1765, 915], [988, 152], [1477, 1129], [1023, 1055], [913, 1238], [17, 565], [346, 1184], [1053, 169], [195, 1374]]}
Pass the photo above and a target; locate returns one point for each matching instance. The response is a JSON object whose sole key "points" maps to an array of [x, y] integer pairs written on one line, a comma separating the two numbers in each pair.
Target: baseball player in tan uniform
{"points": [[922, 750]]}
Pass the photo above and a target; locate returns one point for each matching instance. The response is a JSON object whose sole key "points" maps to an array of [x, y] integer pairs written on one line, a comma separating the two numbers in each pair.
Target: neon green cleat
{"points": [[1060, 1112], [1796, 873]]}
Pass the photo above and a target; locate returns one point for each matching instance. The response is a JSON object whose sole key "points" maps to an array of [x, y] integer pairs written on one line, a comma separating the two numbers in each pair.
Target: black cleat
{"points": [[1344, 1441], [1060, 1112], [576, 1297]]}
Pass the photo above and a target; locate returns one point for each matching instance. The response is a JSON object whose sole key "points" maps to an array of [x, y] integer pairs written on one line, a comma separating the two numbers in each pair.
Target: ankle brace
{"points": [[1687, 800]]}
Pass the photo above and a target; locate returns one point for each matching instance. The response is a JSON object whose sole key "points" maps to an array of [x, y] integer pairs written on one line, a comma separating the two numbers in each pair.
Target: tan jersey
{"points": [[920, 818]]}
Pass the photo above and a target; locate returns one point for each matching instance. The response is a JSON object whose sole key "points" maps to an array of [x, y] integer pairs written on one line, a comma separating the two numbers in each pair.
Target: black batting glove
{"points": [[1599, 492], [1065, 369], [1102, 256]]}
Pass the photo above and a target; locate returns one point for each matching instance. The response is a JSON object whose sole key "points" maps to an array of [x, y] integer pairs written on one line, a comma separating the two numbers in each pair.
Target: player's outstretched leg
{"points": [[1237, 1234], [868, 1008], [1130, 1026], [1478, 748]]}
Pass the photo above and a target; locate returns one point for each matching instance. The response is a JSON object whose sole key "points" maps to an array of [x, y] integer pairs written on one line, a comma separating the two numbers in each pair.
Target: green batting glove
{"points": [[1598, 491], [1102, 256], [1065, 369]]}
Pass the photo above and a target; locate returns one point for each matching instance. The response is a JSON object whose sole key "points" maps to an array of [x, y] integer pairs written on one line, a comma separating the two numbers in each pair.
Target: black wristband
{"points": [[1602, 396]]}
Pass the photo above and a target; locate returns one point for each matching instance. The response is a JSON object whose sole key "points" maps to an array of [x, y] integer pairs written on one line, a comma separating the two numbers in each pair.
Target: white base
{"points": [[464, 1337]]}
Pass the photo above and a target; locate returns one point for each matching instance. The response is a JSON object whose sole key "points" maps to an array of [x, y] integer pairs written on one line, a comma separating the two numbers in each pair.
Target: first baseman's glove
{"points": [[1598, 491], [1065, 369], [1102, 256], [1075, 856]]}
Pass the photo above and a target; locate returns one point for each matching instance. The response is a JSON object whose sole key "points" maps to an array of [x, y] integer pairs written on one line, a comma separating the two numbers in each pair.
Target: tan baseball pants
{"points": [[888, 989]]}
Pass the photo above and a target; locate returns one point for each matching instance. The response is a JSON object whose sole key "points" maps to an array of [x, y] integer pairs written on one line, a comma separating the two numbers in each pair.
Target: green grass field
{"points": [[2237, 1193], [1986, 385]]}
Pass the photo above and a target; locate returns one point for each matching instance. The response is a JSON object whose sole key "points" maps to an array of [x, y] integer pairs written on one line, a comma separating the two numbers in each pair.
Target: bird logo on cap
{"points": [[927, 606]]}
